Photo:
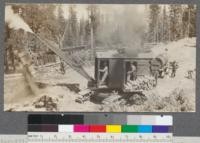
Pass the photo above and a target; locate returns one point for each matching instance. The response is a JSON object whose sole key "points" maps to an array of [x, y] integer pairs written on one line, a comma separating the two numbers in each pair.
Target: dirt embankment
{"points": [[170, 95]]}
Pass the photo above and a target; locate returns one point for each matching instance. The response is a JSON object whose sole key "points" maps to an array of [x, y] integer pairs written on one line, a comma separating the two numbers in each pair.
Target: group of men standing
{"points": [[170, 69]]}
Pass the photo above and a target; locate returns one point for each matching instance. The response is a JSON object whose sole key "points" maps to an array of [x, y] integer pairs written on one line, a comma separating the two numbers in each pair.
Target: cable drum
{"points": [[162, 59]]}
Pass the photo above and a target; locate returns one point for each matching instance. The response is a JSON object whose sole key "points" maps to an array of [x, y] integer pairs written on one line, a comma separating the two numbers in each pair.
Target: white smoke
{"points": [[14, 21]]}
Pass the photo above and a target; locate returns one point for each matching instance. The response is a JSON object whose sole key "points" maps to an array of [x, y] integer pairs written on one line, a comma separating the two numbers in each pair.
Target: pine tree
{"points": [[165, 23], [175, 22], [73, 24], [185, 19], [61, 27], [82, 31], [71, 36], [154, 22], [94, 16], [7, 36], [87, 30], [191, 20]]}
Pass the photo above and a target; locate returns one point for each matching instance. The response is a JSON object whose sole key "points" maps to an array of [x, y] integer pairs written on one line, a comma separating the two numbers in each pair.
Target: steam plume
{"points": [[14, 21]]}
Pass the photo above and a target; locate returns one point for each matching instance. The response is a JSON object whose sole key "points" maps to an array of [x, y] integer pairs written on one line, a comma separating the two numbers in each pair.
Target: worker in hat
{"points": [[104, 72], [174, 66], [132, 73]]}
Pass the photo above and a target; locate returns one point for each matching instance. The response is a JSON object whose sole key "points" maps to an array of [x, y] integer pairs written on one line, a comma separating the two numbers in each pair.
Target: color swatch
{"points": [[75, 124], [113, 128], [100, 128], [149, 120]]}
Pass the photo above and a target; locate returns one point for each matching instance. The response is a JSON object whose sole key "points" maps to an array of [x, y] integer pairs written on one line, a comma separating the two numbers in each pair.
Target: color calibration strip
{"points": [[100, 128], [100, 119], [77, 123]]}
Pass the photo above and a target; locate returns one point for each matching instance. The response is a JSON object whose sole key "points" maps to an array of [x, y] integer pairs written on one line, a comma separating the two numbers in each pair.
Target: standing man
{"points": [[132, 72], [104, 72], [174, 66]]}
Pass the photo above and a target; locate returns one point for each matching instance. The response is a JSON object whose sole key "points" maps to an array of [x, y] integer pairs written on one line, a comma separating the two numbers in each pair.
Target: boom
{"points": [[77, 67]]}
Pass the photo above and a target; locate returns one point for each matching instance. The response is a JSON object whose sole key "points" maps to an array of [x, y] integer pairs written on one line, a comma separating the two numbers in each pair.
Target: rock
{"points": [[137, 99], [49, 103], [39, 105]]}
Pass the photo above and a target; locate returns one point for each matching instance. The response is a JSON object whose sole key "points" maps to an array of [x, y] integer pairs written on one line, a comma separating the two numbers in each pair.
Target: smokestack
{"points": [[14, 21]]}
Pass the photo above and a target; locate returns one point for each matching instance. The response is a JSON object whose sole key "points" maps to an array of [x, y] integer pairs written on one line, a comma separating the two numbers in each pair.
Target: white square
{"points": [[66, 128]]}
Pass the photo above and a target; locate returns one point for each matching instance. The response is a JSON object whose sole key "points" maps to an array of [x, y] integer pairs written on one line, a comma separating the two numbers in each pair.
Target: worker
{"points": [[166, 70], [190, 74], [174, 67], [132, 72], [104, 74]]}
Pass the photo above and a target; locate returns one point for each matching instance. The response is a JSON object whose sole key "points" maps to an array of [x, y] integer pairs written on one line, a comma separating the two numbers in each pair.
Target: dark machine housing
{"points": [[118, 66]]}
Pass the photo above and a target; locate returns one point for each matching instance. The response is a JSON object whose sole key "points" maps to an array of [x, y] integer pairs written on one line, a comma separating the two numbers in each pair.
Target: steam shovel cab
{"points": [[111, 71]]}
